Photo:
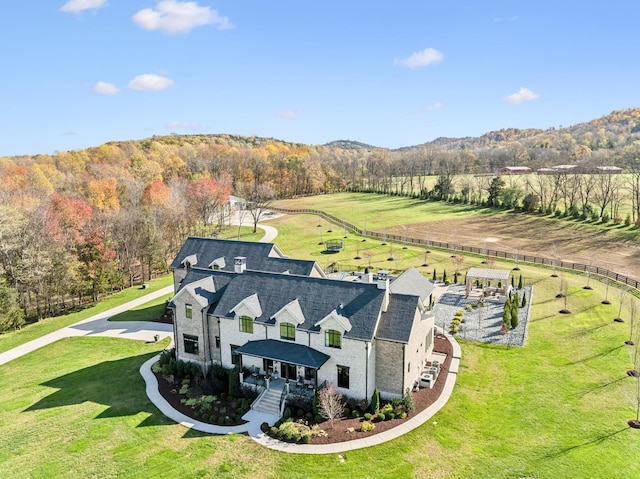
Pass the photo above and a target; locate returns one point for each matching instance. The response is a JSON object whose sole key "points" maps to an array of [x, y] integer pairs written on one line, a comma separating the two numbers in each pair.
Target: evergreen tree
{"points": [[434, 274], [514, 315], [506, 315], [524, 301], [455, 277], [408, 401], [234, 382], [513, 282], [444, 276], [520, 282], [375, 401]]}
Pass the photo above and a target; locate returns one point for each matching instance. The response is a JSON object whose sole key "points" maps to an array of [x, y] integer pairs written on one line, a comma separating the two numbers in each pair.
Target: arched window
{"points": [[332, 338], [287, 331]]}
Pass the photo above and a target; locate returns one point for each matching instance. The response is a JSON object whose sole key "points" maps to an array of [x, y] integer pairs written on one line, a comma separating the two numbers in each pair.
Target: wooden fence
{"points": [[602, 272]]}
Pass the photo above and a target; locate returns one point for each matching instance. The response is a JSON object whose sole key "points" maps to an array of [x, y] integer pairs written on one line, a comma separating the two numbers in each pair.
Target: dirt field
{"points": [[615, 251]]}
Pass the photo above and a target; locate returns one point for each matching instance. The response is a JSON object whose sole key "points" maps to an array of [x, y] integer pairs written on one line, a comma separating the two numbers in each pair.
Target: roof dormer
{"points": [[249, 306], [218, 263], [335, 318], [290, 313], [190, 261]]}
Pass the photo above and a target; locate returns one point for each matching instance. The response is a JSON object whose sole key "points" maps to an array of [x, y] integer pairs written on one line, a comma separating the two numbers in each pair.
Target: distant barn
{"points": [[514, 170]]}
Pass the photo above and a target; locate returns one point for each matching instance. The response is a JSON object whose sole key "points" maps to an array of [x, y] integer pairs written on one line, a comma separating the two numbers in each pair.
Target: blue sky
{"points": [[79, 73]]}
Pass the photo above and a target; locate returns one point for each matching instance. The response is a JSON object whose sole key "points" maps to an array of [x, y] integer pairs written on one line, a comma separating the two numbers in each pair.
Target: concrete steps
{"points": [[269, 403]]}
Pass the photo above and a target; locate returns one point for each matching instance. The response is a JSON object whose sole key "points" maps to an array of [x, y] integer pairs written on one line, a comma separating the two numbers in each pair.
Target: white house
{"points": [[245, 304]]}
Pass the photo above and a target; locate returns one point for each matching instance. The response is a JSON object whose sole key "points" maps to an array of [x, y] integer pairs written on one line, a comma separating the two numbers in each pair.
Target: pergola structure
{"points": [[487, 276]]}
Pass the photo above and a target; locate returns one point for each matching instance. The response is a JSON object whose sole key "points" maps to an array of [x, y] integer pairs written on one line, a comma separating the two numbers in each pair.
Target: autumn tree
{"points": [[206, 195]]}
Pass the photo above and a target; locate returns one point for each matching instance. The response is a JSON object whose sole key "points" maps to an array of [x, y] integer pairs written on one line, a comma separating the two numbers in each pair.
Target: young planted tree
{"points": [[520, 282], [375, 401], [330, 405], [524, 300], [621, 295]]}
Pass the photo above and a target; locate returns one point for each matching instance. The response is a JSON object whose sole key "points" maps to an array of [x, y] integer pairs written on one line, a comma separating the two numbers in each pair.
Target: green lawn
{"points": [[145, 312], [46, 326], [556, 408]]}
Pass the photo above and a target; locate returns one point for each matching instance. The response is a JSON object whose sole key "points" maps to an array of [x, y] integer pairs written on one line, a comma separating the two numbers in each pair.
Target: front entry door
{"points": [[289, 371]]}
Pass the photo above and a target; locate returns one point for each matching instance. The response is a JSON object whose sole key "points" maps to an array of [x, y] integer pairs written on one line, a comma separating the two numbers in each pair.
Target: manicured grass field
{"points": [[36, 330], [556, 408], [145, 312]]}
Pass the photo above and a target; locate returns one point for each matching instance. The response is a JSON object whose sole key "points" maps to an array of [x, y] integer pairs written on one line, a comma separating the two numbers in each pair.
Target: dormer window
{"points": [[332, 338], [246, 324], [287, 331], [188, 311]]}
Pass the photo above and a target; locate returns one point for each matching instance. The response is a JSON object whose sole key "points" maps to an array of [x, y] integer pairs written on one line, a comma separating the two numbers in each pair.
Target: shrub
{"points": [[300, 413], [287, 413], [407, 401], [368, 416], [228, 420], [389, 416], [185, 387], [403, 415], [346, 412], [381, 416], [317, 419], [367, 426], [213, 419], [460, 312], [264, 427], [355, 413], [468, 307], [309, 417], [375, 400]]}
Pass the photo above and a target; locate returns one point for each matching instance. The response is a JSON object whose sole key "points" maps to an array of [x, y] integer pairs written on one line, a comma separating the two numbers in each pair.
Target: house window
{"points": [[188, 311], [218, 342], [309, 374], [216, 267], [190, 344], [246, 324], [288, 331], [343, 377], [236, 359], [332, 338], [409, 367]]}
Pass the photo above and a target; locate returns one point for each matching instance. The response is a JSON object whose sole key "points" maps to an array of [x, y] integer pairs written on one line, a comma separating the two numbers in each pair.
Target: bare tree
{"points": [[258, 201], [330, 404]]}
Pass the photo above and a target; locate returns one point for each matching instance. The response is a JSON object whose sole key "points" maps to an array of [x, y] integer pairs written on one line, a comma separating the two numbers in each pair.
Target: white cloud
{"points": [[150, 81], [104, 88], [183, 125], [524, 94], [288, 114], [436, 106], [77, 6], [428, 56], [505, 19], [171, 16]]}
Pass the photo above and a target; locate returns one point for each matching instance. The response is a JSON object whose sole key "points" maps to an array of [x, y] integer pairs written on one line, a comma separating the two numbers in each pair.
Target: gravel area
{"points": [[482, 323]]}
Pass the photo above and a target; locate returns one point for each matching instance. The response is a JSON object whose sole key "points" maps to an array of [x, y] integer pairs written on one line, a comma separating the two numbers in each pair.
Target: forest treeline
{"points": [[74, 224]]}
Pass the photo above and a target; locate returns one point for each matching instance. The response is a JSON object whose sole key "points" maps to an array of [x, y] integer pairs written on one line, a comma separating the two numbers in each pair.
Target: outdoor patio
{"points": [[481, 323]]}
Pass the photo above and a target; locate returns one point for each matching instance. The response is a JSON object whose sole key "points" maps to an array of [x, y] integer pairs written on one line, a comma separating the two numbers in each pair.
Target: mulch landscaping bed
{"points": [[170, 393], [422, 399]]}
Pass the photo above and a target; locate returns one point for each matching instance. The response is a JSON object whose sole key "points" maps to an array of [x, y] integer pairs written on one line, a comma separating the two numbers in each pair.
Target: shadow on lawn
{"points": [[592, 442], [602, 386], [116, 384], [595, 356]]}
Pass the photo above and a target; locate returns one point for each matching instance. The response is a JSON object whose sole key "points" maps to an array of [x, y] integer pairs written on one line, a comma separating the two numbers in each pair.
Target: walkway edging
{"points": [[255, 419]]}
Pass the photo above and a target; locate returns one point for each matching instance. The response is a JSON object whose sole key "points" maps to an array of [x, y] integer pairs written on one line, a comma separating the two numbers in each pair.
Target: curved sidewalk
{"points": [[255, 419]]}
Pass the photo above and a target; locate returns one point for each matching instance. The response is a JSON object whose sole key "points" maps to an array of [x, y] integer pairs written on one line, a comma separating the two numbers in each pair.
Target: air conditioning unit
{"points": [[426, 380]]}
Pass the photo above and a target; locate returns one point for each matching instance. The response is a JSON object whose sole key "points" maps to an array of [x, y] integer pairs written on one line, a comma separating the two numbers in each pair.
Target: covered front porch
{"points": [[270, 361]]}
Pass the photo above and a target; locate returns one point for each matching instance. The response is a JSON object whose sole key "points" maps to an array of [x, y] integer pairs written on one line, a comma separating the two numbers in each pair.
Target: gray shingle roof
{"points": [[396, 322], [491, 274], [361, 303], [206, 250], [413, 283], [284, 351]]}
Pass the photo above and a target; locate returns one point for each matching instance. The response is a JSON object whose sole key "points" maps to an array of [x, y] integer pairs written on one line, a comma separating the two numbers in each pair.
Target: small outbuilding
{"points": [[491, 281]]}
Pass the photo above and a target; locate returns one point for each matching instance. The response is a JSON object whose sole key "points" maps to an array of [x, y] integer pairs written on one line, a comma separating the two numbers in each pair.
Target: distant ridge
{"points": [[349, 145]]}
